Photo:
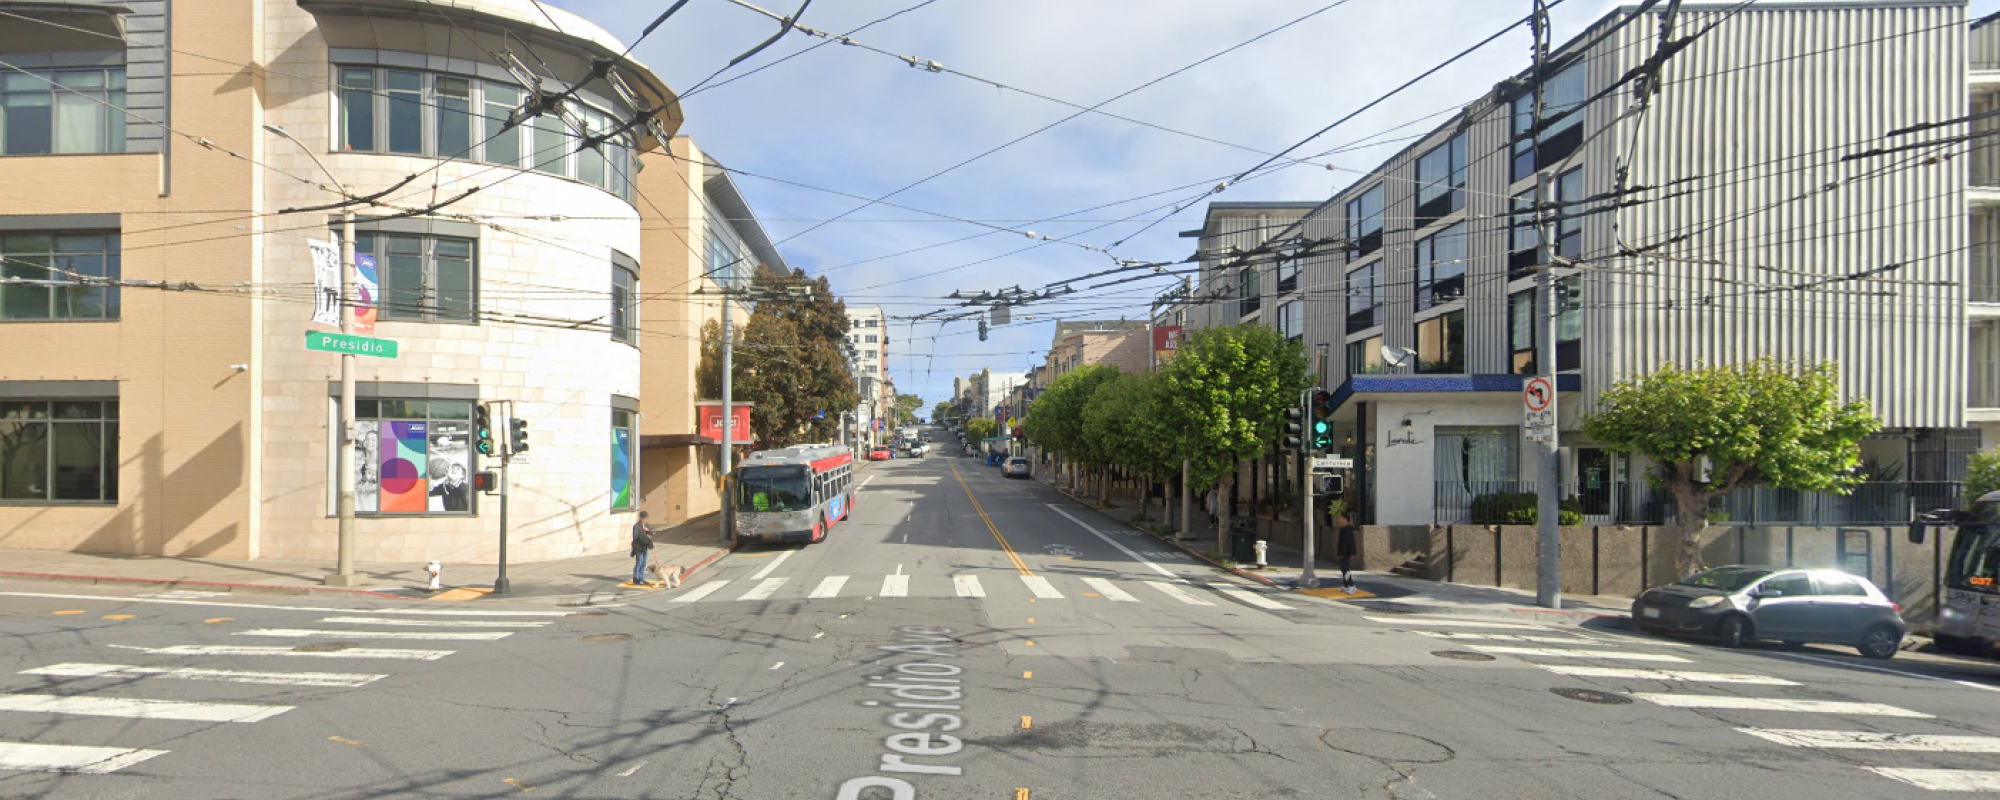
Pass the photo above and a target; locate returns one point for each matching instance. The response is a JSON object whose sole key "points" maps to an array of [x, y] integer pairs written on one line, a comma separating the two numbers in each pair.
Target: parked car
{"points": [[918, 450], [881, 454], [1017, 467], [1735, 604]]}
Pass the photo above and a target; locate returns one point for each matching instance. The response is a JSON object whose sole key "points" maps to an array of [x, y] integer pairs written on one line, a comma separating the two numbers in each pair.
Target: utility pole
{"points": [[728, 418], [1303, 466], [500, 583], [343, 572], [1548, 538]]}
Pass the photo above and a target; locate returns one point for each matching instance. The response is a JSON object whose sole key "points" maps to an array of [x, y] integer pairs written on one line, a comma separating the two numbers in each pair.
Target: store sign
{"points": [[711, 422], [1166, 341]]}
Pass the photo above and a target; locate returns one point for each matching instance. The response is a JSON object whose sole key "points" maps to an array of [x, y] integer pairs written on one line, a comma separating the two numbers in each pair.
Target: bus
{"points": [[1968, 619], [792, 495]]}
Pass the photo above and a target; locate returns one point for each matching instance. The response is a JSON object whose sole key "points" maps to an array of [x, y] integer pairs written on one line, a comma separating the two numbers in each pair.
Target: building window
{"points": [[1364, 298], [1569, 225], [406, 111], [1365, 357], [57, 272], [1364, 223], [624, 304], [722, 261], [624, 460], [1521, 333], [1441, 344], [1441, 267], [1441, 181], [423, 278], [1249, 292], [502, 146], [59, 451], [1288, 323], [1524, 329], [1523, 239], [1564, 93], [453, 117], [872, 321], [62, 111], [413, 457], [1288, 266]]}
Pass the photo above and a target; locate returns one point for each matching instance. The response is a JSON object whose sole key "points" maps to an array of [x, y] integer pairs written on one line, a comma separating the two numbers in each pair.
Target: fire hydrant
{"points": [[436, 569], [1262, 547]]}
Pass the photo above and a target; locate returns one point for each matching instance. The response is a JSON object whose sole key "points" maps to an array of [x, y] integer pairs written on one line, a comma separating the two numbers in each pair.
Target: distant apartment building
{"points": [[868, 338]]}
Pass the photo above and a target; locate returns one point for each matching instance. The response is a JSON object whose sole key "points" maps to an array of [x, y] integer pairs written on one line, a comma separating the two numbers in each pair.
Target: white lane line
{"points": [[1242, 595], [1041, 587], [306, 609], [1943, 780], [1113, 542], [763, 591], [264, 650], [1665, 675], [1503, 637], [1455, 623], [138, 709], [777, 665], [1110, 590], [1556, 652], [634, 768], [828, 587], [766, 571], [1770, 704], [895, 586], [458, 612], [967, 586], [30, 757], [701, 591], [1178, 593], [864, 483], [1885, 670], [346, 679], [429, 636], [1867, 740], [435, 623]]}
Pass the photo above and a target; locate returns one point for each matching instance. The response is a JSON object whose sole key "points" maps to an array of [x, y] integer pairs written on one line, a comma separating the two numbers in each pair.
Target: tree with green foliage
{"points": [[979, 428], [905, 409], [941, 412], [1225, 392], [1712, 430], [1982, 475], [1056, 419], [787, 360], [1123, 426]]}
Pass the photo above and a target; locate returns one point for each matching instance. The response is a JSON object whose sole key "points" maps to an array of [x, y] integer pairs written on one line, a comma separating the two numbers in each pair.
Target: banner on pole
{"points": [[364, 294], [326, 281]]}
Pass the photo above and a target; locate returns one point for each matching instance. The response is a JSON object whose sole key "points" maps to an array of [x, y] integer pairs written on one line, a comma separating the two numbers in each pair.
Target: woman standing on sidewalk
{"points": [[1344, 549], [642, 546]]}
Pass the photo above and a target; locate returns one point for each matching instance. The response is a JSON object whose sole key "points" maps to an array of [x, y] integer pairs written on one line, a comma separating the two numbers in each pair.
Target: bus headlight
{"points": [[1947, 612]]}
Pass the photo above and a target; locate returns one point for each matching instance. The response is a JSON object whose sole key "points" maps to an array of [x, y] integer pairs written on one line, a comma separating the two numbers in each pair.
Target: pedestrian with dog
{"points": [[642, 547]]}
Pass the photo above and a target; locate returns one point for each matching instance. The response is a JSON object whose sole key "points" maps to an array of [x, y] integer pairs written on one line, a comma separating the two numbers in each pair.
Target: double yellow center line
{"points": [[1004, 546]]}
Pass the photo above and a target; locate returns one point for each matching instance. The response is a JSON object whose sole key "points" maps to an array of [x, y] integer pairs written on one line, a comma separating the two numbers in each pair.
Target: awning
{"points": [[661, 440], [99, 26], [1374, 388]]}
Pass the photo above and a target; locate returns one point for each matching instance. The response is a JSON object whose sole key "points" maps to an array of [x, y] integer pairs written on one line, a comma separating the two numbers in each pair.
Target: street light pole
{"points": [[1548, 537]]}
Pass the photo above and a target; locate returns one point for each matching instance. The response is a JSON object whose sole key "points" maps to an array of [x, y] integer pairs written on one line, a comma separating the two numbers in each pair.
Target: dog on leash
{"points": [[667, 575]]}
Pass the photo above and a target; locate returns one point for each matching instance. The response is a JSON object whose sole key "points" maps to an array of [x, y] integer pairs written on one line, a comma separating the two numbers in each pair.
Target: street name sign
{"points": [[345, 343], [1331, 462]]}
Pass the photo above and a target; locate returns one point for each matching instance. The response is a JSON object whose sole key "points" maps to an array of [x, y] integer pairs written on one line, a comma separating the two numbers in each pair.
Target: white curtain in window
{"points": [[1485, 459], [79, 124]]}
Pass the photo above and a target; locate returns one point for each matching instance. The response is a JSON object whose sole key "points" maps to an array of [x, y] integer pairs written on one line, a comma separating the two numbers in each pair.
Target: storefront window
{"points": [[412, 457], [624, 459]]}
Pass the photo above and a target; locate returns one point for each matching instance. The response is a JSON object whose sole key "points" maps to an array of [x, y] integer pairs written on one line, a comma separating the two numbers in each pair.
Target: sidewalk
{"points": [[584, 580], [1379, 591]]}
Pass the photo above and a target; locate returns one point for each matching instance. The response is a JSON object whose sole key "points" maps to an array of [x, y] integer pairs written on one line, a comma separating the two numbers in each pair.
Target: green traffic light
{"points": [[1322, 427]]}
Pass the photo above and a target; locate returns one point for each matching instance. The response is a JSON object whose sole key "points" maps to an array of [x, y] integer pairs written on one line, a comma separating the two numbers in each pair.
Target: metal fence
{"points": [[1639, 503]]}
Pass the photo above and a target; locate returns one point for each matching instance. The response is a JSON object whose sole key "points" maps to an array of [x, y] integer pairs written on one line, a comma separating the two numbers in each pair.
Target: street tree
{"points": [[1712, 430], [788, 360], [979, 428], [941, 412], [1224, 392], [906, 408], [1122, 424], [1056, 419]]}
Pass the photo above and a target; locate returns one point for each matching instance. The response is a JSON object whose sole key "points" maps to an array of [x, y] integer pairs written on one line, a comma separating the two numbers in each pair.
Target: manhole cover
{"points": [[325, 647], [597, 638], [1592, 696], [590, 614], [1461, 655]]}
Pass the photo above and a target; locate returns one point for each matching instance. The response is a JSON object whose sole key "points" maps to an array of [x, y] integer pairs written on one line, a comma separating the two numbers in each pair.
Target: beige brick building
{"points": [[156, 396]]}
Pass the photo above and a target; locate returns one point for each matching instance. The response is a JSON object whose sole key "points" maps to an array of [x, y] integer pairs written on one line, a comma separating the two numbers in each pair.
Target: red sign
{"points": [[1166, 340], [711, 423]]}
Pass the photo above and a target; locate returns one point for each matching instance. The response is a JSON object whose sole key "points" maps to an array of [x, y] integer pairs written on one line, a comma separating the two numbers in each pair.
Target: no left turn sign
{"points": [[1538, 394]]}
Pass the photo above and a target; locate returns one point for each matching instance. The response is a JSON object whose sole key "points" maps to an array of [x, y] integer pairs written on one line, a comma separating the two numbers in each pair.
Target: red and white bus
{"points": [[792, 495]]}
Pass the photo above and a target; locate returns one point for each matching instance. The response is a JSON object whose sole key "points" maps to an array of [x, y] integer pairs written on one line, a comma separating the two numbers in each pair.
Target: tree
{"points": [[1123, 426], [1982, 475], [788, 360], [1712, 430], [905, 409], [1056, 419], [1225, 391], [979, 428], [941, 412]]}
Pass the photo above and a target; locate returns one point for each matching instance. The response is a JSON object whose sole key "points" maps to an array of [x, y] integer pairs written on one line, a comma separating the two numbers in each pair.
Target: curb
{"points": [[1183, 548], [1502, 612], [263, 588]]}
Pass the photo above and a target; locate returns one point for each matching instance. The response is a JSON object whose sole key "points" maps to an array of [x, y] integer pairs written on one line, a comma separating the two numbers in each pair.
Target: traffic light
{"points": [[1294, 428], [485, 482], [482, 430], [1569, 296], [1322, 420], [982, 330], [1329, 485], [518, 437]]}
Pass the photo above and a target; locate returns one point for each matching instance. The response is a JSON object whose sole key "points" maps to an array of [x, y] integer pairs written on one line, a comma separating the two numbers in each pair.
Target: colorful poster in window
{"points": [[368, 467], [621, 468], [449, 466], [403, 463], [364, 293]]}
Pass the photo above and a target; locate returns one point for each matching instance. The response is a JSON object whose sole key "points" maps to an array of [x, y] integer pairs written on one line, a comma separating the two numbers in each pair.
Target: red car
{"points": [[880, 454]]}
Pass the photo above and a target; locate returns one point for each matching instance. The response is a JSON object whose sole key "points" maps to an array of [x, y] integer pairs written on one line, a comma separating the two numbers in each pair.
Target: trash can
{"points": [[1243, 540]]}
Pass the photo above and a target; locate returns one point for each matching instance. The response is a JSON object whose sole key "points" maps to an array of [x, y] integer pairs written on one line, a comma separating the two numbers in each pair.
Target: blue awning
{"points": [[1437, 384]]}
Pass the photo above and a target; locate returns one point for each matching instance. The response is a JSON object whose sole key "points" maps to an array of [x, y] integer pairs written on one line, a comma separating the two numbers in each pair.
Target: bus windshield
{"points": [[781, 489], [1975, 559]]}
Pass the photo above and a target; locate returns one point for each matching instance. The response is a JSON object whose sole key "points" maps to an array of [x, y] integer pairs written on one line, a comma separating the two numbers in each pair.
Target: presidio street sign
{"points": [[345, 343]]}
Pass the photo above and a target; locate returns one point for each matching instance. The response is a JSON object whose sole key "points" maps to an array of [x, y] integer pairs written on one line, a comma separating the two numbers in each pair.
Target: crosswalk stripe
{"points": [[393, 653], [701, 591], [1040, 586], [764, 590], [305, 633], [456, 612], [1869, 740], [1110, 590], [1455, 623], [1250, 597], [31, 757], [138, 709], [1771, 704], [1503, 637], [828, 587], [967, 586], [895, 586], [1554, 652], [1943, 780], [766, 571], [435, 623], [1178, 593], [347, 679], [1665, 675]]}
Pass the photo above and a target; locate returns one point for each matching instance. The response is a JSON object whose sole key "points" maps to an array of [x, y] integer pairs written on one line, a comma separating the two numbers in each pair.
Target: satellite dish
{"points": [[1397, 356]]}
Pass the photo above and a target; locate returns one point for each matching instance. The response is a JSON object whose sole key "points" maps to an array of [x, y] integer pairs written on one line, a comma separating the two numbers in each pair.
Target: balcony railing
{"points": [[1639, 503]]}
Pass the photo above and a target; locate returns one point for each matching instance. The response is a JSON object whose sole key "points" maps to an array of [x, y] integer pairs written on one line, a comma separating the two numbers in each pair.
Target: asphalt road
{"points": [[961, 636]]}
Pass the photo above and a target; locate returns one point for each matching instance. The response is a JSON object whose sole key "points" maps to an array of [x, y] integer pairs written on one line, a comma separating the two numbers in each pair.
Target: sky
{"points": [[826, 131]]}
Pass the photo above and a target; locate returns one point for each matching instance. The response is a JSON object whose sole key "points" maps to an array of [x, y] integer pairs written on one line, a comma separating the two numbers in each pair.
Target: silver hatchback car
{"points": [[1737, 603]]}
